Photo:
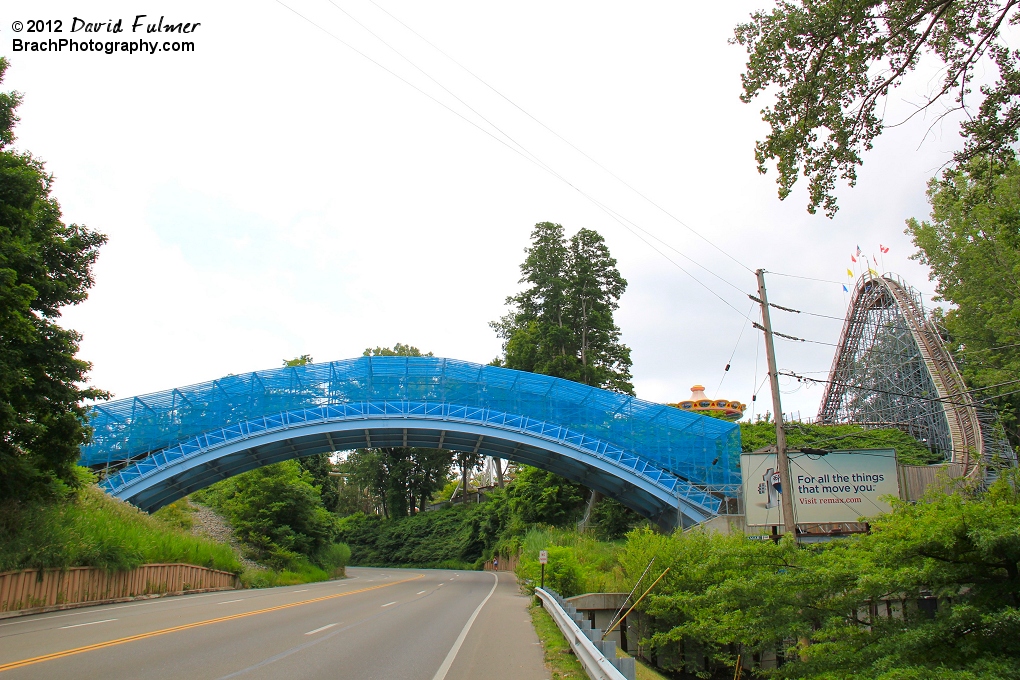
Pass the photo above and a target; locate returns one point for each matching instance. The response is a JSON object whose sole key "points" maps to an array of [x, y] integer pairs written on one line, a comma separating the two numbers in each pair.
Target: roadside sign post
{"points": [[543, 558]]}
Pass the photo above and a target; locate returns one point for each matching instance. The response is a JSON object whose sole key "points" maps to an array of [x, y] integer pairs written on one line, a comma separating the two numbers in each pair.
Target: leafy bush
{"points": [[177, 514], [90, 529], [334, 558], [578, 563], [813, 602], [276, 513], [448, 536], [301, 571]]}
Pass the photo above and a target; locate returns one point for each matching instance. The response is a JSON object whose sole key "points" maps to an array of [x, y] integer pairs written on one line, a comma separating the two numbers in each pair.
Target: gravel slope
{"points": [[211, 524]]}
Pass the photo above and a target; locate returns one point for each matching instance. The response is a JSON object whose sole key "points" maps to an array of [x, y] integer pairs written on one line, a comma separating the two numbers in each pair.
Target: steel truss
{"points": [[892, 369], [158, 447]]}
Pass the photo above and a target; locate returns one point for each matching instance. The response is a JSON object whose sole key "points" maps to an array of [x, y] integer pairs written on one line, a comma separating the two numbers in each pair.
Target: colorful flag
{"points": [[850, 273], [859, 251], [872, 271], [853, 258], [875, 259], [883, 248], [844, 289]]}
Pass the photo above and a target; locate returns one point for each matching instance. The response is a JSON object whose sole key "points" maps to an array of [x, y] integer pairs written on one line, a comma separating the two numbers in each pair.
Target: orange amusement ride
{"points": [[699, 403]]}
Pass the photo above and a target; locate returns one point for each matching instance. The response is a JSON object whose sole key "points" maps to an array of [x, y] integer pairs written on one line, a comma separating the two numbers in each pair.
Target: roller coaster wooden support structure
{"points": [[892, 368]]}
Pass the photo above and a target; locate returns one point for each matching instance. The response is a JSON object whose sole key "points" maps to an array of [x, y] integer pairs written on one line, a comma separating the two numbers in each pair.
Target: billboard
{"points": [[838, 487]]}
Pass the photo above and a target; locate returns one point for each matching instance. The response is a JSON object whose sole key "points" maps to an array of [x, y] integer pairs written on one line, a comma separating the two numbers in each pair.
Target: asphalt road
{"points": [[379, 623]]}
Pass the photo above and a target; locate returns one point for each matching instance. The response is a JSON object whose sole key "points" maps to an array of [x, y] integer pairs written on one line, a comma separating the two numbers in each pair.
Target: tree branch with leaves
{"points": [[833, 63]]}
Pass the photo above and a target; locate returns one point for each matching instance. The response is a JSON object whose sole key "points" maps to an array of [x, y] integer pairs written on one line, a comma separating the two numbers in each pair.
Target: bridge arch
{"points": [[668, 465]]}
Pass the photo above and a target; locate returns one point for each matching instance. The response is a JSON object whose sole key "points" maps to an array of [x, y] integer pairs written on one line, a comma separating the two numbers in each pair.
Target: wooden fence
{"points": [[45, 588]]}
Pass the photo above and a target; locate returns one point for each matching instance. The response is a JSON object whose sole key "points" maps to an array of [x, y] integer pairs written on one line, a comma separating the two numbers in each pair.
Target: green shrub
{"points": [[909, 451], [449, 536], [302, 571], [334, 558], [578, 563], [275, 512], [177, 514]]}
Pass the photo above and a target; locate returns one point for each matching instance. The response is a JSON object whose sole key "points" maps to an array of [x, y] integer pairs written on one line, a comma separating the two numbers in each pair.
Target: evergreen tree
{"points": [[594, 288], [562, 323]]}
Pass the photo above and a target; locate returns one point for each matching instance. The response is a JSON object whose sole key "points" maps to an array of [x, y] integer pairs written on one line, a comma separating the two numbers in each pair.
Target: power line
{"points": [[564, 140], [806, 278], [733, 353], [522, 151], [429, 76], [903, 394], [403, 80]]}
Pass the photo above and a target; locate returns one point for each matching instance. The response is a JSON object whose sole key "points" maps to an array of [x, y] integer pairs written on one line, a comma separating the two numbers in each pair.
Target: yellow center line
{"points": [[164, 631]]}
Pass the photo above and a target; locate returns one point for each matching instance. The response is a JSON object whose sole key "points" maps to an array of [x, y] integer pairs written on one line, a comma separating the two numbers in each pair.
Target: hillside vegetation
{"points": [[90, 529], [279, 519]]}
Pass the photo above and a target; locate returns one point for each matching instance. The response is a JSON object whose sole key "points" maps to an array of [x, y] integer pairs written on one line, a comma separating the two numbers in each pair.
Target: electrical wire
{"points": [[733, 353], [403, 80], [807, 278], [941, 400], [564, 140], [524, 152]]}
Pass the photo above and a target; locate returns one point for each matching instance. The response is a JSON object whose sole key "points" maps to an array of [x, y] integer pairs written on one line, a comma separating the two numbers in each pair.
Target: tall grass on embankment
{"points": [[578, 563], [90, 529]]}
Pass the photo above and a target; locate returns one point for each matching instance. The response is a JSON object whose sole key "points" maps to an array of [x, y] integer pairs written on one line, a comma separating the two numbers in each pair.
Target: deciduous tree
{"points": [[832, 63], [44, 265], [972, 246], [932, 592]]}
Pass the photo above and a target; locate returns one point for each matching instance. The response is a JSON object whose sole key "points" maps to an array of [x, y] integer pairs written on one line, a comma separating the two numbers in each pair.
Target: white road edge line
{"points": [[421, 592], [300, 591], [319, 630], [231, 601], [389, 603], [448, 662], [78, 625]]}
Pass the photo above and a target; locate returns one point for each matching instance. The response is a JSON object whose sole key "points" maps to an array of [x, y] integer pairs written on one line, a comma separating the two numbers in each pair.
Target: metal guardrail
{"points": [[597, 656]]}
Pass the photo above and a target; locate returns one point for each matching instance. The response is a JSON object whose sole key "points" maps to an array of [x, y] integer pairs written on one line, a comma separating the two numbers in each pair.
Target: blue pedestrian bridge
{"points": [[671, 466]]}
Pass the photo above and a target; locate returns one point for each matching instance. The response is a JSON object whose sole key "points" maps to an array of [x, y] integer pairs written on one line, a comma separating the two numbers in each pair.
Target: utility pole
{"points": [[782, 459]]}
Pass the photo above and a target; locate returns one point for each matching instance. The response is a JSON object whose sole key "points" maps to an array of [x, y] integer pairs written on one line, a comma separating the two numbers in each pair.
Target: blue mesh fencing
{"points": [[702, 450]]}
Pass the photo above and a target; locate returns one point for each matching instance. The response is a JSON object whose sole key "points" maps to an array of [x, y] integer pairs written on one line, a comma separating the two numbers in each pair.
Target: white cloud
{"points": [[274, 193]]}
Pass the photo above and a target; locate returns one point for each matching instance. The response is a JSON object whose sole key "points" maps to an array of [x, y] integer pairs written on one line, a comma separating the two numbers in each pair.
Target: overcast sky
{"points": [[275, 193]]}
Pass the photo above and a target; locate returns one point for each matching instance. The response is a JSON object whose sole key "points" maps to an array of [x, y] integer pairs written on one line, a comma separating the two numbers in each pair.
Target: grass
{"points": [[302, 572], [90, 529], [178, 514], [558, 656], [592, 566], [561, 660], [644, 671]]}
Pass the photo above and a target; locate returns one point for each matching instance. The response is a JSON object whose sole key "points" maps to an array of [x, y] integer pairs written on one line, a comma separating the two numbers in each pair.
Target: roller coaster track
{"points": [[892, 367]]}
